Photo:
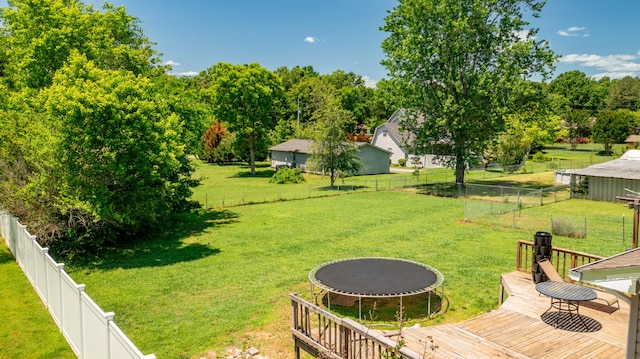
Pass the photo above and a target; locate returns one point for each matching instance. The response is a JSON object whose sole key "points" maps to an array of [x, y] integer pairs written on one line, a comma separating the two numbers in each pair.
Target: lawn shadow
{"points": [[531, 184], [265, 173], [341, 188], [168, 247], [6, 257]]}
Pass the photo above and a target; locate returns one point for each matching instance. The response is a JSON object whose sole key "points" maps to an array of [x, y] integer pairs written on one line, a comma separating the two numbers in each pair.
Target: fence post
{"points": [[541, 196], [309, 191], [376, 185], [206, 201], [243, 196]]}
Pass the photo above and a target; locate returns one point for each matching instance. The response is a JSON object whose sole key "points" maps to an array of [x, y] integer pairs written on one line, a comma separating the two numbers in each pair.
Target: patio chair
{"points": [[551, 273]]}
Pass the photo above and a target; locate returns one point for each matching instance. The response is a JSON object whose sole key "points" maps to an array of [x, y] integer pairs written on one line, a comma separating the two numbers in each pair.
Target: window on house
{"points": [[384, 133]]}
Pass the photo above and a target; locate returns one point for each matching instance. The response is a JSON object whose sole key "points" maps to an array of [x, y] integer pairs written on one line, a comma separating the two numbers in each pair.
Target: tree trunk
{"points": [[252, 160]]}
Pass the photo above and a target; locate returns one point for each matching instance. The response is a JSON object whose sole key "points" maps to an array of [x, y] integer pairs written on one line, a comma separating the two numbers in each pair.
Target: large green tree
{"points": [[246, 99], [459, 62], [580, 91], [119, 162], [577, 124], [42, 33], [332, 153], [624, 93], [613, 127], [93, 134]]}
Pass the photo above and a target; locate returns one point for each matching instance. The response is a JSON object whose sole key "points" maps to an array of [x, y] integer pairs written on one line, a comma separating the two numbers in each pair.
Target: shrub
{"points": [[562, 227], [287, 175], [402, 162], [539, 157]]}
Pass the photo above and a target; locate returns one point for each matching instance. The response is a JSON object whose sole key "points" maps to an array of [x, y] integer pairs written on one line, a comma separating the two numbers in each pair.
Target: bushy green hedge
{"points": [[287, 175]]}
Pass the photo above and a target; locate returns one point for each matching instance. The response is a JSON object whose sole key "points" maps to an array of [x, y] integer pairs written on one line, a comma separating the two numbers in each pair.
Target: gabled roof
{"points": [[306, 146], [294, 145], [625, 167], [364, 144], [620, 272], [632, 139], [394, 127]]}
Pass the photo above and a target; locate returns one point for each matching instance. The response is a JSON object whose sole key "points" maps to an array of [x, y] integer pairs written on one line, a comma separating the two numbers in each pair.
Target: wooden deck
{"points": [[518, 329]]}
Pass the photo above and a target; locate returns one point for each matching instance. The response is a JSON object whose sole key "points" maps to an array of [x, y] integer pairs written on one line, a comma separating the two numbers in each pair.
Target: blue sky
{"points": [[598, 37]]}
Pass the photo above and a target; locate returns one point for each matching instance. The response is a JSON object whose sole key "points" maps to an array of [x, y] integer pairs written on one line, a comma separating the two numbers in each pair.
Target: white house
{"points": [[620, 276], [295, 153], [393, 138]]}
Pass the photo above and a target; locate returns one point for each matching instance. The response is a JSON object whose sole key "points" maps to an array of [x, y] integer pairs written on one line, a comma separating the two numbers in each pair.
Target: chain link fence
{"points": [[506, 207]]}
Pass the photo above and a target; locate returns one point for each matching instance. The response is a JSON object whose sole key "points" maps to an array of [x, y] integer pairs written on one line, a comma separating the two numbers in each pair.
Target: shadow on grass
{"points": [[6, 257], [340, 188], [168, 247], [267, 173], [517, 184]]}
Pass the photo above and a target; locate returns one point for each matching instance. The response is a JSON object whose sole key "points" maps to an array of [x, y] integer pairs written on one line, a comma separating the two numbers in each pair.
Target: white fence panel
{"points": [[21, 250], [72, 313], [121, 347], [40, 271], [90, 332], [54, 282], [95, 329]]}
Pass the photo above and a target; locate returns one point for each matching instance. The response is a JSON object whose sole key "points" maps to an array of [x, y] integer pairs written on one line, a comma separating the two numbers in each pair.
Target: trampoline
{"points": [[376, 278]]}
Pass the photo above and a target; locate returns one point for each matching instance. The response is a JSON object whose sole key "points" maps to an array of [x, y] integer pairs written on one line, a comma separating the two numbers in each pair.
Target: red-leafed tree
{"points": [[213, 138]]}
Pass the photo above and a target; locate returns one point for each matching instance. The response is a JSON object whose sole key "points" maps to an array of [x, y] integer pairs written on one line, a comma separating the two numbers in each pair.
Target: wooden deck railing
{"points": [[563, 259], [325, 335]]}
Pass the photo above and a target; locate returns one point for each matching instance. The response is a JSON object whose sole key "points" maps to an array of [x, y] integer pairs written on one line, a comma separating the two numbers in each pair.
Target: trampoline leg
{"points": [[429, 305], [360, 308]]}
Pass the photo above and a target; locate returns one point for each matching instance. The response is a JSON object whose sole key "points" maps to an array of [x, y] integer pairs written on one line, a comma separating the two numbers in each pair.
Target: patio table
{"points": [[566, 297]]}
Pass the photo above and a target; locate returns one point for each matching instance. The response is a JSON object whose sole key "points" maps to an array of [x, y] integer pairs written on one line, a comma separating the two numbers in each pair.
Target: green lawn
{"points": [[26, 328], [223, 276]]}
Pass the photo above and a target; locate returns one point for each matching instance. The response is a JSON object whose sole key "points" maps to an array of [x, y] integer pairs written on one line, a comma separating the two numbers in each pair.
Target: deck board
{"points": [[517, 330]]}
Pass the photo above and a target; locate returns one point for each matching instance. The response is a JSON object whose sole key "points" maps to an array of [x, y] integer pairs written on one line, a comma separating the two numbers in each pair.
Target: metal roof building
{"points": [[605, 181]]}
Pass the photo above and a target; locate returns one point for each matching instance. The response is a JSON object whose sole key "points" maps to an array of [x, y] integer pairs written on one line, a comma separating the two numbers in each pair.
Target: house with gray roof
{"points": [[608, 180], [392, 137], [295, 153]]}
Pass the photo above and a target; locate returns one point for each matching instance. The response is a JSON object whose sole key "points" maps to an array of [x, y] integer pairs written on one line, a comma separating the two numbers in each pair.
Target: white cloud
{"points": [[574, 31], [369, 82], [613, 66], [186, 73], [172, 63], [310, 39], [523, 35]]}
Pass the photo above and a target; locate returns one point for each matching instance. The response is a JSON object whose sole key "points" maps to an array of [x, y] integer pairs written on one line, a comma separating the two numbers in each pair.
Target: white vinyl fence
{"points": [[91, 332]]}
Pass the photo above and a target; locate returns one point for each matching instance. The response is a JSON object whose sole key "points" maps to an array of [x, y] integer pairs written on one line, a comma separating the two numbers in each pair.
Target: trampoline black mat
{"points": [[375, 277]]}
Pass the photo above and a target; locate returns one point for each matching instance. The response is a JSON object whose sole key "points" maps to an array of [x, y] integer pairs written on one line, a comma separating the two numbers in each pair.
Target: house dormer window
{"points": [[384, 133]]}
